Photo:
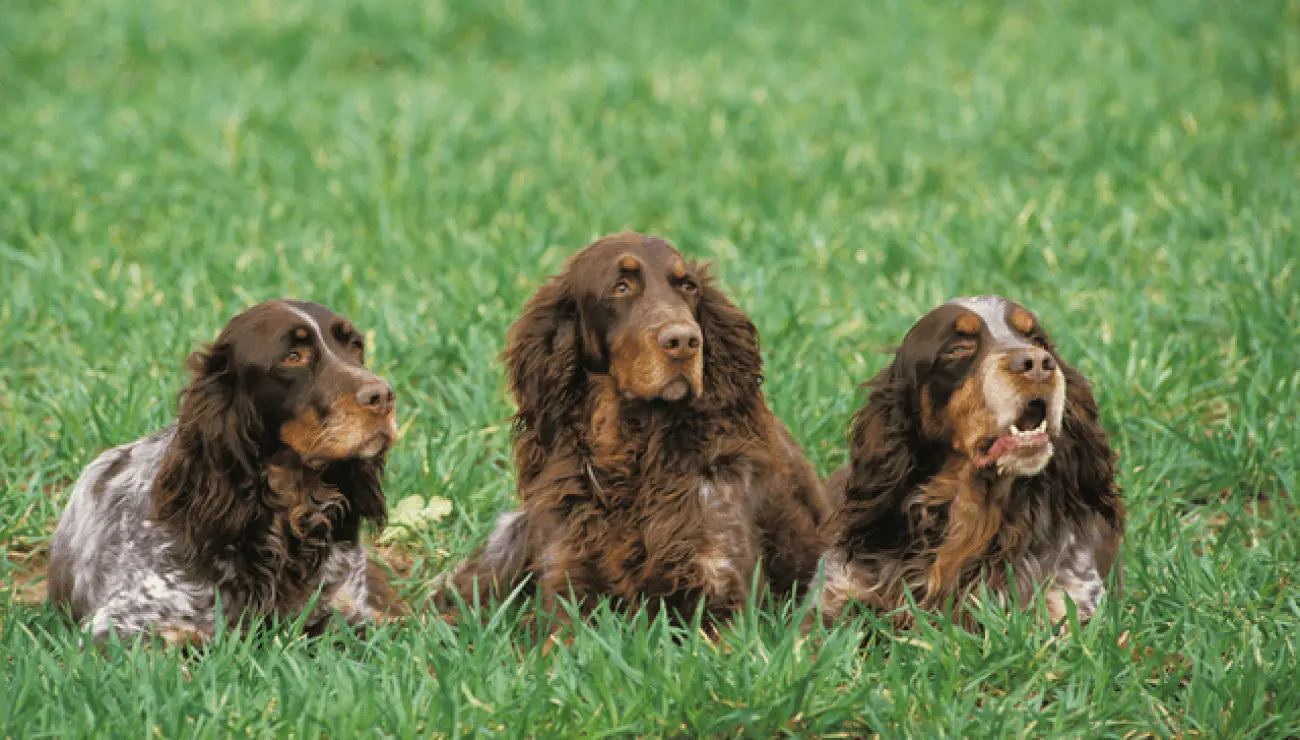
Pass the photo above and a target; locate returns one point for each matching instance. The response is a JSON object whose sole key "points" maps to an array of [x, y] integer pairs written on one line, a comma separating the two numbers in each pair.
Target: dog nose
{"points": [[377, 396], [1035, 364], [680, 341]]}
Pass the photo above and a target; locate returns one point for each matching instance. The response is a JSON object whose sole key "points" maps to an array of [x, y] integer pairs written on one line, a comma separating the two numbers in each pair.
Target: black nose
{"points": [[377, 396], [680, 341], [1035, 364]]}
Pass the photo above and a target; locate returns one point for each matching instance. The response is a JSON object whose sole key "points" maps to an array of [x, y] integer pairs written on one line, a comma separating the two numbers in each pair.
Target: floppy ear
{"points": [[362, 484], [205, 484], [733, 362], [884, 465], [1083, 466], [543, 358]]}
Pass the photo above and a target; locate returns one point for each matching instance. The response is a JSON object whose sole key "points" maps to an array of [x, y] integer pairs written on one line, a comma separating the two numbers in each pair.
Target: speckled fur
{"points": [[918, 519], [117, 570], [219, 510]]}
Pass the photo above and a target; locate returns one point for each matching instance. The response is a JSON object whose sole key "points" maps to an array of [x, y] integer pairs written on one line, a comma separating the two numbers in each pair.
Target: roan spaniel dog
{"points": [[979, 450], [650, 469], [256, 494]]}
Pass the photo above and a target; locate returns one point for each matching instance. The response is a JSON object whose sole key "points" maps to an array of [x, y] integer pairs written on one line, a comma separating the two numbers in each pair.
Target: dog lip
{"points": [[678, 388], [378, 443], [385, 438], [1013, 443]]}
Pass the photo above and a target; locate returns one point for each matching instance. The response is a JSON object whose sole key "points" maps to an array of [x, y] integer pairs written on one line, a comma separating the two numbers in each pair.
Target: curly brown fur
{"points": [[942, 495], [650, 469]]}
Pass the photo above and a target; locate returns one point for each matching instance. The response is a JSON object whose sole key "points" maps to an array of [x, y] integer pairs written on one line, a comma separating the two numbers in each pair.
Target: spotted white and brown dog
{"points": [[979, 450], [256, 494]]}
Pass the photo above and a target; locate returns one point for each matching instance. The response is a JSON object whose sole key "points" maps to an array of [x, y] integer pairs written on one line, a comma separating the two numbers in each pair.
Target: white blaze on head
{"points": [[319, 333], [993, 310], [1002, 397]]}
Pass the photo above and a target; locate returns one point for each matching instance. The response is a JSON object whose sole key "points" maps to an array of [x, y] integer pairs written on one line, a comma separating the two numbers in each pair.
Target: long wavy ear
{"points": [[733, 360], [362, 484], [205, 484], [543, 359], [884, 465], [1083, 467]]}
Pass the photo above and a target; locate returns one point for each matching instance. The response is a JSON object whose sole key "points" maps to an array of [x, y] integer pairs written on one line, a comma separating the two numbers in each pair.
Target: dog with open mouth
{"points": [[979, 450], [650, 469], [256, 495]]}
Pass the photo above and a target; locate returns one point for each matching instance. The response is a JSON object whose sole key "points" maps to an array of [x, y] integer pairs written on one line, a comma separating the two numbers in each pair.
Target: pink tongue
{"points": [[1004, 444]]}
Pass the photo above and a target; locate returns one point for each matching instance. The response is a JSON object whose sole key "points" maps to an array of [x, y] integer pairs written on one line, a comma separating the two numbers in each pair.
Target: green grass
{"points": [[1129, 170]]}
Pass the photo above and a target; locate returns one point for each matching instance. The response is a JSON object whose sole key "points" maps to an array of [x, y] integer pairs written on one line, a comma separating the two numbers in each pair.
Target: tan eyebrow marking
{"points": [[629, 263], [968, 323], [319, 332], [679, 270], [1021, 321], [300, 333], [347, 327]]}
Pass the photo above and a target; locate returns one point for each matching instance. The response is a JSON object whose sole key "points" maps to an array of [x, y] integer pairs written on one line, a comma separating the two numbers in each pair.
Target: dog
{"points": [[256, 496], [650, 469], [979, 449]]}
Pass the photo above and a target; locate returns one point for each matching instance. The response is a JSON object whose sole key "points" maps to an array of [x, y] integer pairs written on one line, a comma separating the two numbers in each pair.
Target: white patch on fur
{"points": [[1076, 577], [1056, 404], [839, 583], [1027, 467], [345, 589], [1001, 396], [709, 496], [154, 587], [993, 310], [504, 543], [715, 568]]}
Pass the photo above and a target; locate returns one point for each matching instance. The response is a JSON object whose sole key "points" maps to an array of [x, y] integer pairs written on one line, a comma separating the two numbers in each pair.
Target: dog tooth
{"points": [[1042, 426], [1015, 429]]}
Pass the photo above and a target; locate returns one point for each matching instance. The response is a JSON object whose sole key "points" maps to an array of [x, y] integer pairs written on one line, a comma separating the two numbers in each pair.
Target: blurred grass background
{"points": [[1129, 170]]}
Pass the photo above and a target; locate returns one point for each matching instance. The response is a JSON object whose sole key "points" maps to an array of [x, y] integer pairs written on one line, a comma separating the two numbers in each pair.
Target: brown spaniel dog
{"points": [[978, 450], [256, 495], [649, 467]]}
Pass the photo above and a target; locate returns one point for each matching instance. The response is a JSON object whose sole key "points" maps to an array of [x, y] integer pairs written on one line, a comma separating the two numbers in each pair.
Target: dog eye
{"points": [[1039, 341], [622, 287], [296, 357], [960, 350], [690, 287]]}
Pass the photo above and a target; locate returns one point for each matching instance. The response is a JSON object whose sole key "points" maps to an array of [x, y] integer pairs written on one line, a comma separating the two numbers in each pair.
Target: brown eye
{"points": [[296, 357], [622, 287], [960, 349], [690, 287], [357, 346], [1039, 342]]}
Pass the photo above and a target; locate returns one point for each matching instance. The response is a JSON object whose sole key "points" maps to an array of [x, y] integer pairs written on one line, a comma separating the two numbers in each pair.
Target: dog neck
{"points": [[631, 444], [975, 504], [273, 561]]}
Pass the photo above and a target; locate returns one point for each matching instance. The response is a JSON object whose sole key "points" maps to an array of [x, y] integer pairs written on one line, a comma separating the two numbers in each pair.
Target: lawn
{"points": [[1129, 170]]}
